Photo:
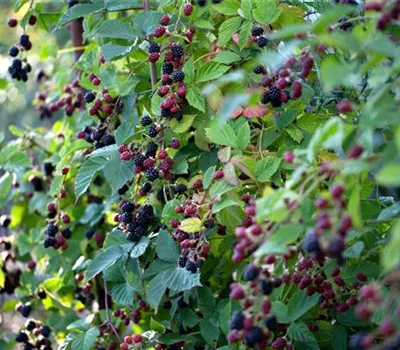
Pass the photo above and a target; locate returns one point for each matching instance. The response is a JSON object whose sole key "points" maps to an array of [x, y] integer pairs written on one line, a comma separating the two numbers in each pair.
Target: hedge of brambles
{"points": [[219, 175]]}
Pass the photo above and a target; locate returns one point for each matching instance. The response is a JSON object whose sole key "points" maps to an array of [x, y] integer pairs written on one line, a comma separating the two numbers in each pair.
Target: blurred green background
{"points": [[17, 98]]}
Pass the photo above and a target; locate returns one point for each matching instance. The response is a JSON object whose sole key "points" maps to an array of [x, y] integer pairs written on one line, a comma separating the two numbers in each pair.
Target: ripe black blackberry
{"points": [[153, 47], [265, 98], [178, 75], [89, 233], [262, 41], [31, 325], [151, 149], [182, 261], [98, 134], [21, 337], [146, 187], [146, 120], [42, 294], [66, 233], [259, 70], [139, 159], [178, 115], [90, 97], [137, 234], [165, 113], [152, 174], [152, 131], [51, 229], [14, 51], [108, 140], [181, 188], [48, 168], [127, 207], [147, 213], [237, 321], [167, 68], [257, 31], [123, 190], [275, 96], [253, 336], [26, 310], [24, 40], [45, 331], [191, 266], [177, 50], [127, 218]]}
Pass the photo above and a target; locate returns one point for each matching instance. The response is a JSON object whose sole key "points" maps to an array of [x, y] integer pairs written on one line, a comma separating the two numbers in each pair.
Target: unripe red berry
{"points": [[159, 32], [79, 277], [344, 107], [65, 170], [128, 339], [219, 174], [164, 20], [31, 265], [336, 190], [66, 219], [96, 81], [187, 10], [162, 154], [289, 157], [108, 98], [124, 346], [387, 328], [51, 207], [137, 338], [32, 20], [12, 22], [154, 56], [175, 144], [356, 151], [373, 6]]}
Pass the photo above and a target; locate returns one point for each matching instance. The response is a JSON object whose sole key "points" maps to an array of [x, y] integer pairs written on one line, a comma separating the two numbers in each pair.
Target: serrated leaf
{"points": [[105, 259], [266, 12], [86, 173], [227, 29], [390, 257], [219, 188], [267, 167], [228, 7], [183, 125], [209, 331], [243, 136], [191, 225], [388, 175], [218, 206], [118, 173], [116, 29], [246, 7], [85, 340], [196, 99], [140, 247], [123, 294], [300, 303], [112, 51], [156, 326], [210, 71], [245, 33], [188, 69], [227, 57], [222, 134], [124, 132], [80, 10], [166, 248], [230, 176], [295, 133], [300, 332], [208, 177]]}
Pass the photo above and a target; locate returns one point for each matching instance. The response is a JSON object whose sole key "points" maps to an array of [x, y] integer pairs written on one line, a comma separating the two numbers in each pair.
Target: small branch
{"points": [[108, 311]]}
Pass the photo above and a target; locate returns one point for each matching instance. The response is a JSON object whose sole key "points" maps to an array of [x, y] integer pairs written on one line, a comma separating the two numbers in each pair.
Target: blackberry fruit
{"points": [[254, 336], [98, 134], [66, 233], [89, 233], [127, 207], [147, 212], [191, 266], [275, 96], [167, 68], [13, 52], [137, 234], [165, 113], [51, 229], [151, 150], [48, 168], [89, 97], [201, 3], [139, 159], [271, 323], [108, 140], [146, 120], [257, 31], [152, 131], [259, 70], [25, 42], [250, 272], [28, 346], [178, 115], [42, 294], [181, 188], [237, 321], [267, 287], [182, 261], [177, 50], [146, 187], [153, 47], [26, 310], [265, 98], [262, 41], [123, 190], [178, 75], [152, 174], [21, 337], [46, 331], [311, 243], [127, 217], [31, 326]]}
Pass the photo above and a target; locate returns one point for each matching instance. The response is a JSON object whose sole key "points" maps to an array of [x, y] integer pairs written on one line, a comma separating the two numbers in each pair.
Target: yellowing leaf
{"points": [[191, 225]]}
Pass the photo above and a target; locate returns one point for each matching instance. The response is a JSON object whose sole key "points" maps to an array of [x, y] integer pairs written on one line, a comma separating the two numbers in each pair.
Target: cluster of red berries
{"points": [[289, 76], [71, 100], [34, 336], [103, 106], [83, 291], [390, 12], [131, 341], [20, 68]]}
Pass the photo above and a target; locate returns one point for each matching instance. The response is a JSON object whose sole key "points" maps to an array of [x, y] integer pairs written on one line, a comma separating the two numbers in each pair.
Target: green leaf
{"points": [[208, 177], [210, 71], [209, 331], [339, 337], [330, 79], [354, 251], [86, 173], [227, 29], [123, 294], [279, 309], [105, 259], [189, 317], [228, 7], [225, 315], [114, 28], [354, 207], [390, 257], [246, 9], [196, 99], [124, 132], [267, 167], [245, 33], [219, 188], [118, 5], [188, 69], [80, 10], [118, 173], [218, 206], [300, 332], [140, 247], [112, 51], [332, 15], [167, 249], [156, 326], [286, 118], [191, 225], [115, 237], [266, 12], [243, 136], [222, 134], [183, 125], [389, 175], [300, 303], [206, 301], [85, 340], [227, 57], [5, 187]]}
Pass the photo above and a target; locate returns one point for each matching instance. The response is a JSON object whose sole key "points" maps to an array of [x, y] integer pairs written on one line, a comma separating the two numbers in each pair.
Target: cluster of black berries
{"points": [[289, 76], [20, 68], [35, 336], [83, 293], [9, 268], [55, 237], [104, 105], [135, 220], [257, 36], [97, 135], [70, 100]]}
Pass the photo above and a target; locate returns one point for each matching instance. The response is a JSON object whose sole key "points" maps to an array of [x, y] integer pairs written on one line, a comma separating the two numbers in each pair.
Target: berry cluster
{"points": [[133, 341], [20, 68], [390, 12], [83, 291], [103, 106], [35, 336], [55, 237], [257, 36], [70, 100], [97, 135], [135, 220]]}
